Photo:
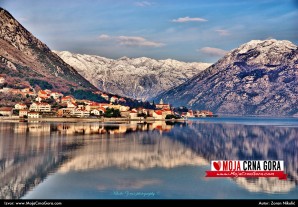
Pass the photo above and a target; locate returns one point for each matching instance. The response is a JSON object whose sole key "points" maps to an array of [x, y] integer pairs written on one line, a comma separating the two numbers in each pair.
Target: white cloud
{"points": [[131, 41], [104, 37], [137, 41], [222, 32], [189, 19], [143, 3], [213, 52]]}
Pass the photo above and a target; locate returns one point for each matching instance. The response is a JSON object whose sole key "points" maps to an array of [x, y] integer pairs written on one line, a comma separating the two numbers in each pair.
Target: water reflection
{"points": [[217, 141], [29, 152], [133, 126], [138, 150], [27, 155]]}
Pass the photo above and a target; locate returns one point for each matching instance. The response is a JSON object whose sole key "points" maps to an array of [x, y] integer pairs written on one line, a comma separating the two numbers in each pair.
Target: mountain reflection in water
{"points": [[217, 141], [29, 152]]}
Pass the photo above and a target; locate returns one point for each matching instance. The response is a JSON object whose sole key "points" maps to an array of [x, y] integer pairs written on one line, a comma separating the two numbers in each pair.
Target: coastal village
{"points": [[47, 103]]}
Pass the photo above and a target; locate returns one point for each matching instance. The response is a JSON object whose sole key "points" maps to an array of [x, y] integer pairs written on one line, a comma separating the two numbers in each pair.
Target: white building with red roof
{"points": [[20, 106], [133, 114], [161, 105], [42, 107], [98, 111], [23, 113], [66, 99], [105, 96], [71, 105], [95, 105], [80, 113], [6, 111], [161, 114], [33, 115], [56, 95], [134, 110], [38, 99], [157, 114], [114, 99], [48, 91], [124, 108], [43, 94]]}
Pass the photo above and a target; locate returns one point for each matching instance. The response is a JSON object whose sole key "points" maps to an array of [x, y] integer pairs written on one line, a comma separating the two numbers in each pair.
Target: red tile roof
{"points": [[43, 92], [158, 112], [159, 127], [5, 109]]}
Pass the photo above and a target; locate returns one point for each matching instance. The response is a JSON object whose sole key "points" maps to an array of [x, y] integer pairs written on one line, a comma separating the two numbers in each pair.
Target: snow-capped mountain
{"points": [[140, 78], [258, 78]]}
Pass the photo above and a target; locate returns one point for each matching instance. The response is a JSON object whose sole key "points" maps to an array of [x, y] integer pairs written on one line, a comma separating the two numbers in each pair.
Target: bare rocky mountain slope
{"points": [[25, 60]]}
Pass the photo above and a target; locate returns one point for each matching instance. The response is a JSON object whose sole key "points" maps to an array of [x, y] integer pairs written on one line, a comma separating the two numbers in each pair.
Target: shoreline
{"points": [[85, 120], [15, 119]]}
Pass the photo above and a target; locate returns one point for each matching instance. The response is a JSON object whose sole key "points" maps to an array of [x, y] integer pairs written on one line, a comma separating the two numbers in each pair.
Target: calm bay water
{"points": [[134, 160]]}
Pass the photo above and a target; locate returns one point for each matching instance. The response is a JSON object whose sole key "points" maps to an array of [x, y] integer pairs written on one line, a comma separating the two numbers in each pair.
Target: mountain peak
{"points": [[264, 52], [267, 45]]}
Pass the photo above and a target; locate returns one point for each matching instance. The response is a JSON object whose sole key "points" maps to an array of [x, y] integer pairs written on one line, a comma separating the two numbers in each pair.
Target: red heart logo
{"points": [[217, 165]]}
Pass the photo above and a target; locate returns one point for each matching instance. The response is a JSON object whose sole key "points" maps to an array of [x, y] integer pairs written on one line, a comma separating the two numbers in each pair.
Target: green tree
{"points": [[16, 112], [142, 115], [111, 112], [50, 100], [172, 116], [83, 94]]}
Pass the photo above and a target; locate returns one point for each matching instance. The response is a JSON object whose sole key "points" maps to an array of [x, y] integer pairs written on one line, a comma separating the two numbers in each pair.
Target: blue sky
{"points": [[187, 30]]}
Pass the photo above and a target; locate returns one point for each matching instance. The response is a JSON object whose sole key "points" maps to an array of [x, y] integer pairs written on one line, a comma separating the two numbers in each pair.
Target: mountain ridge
{"points": [[140, 78]]}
